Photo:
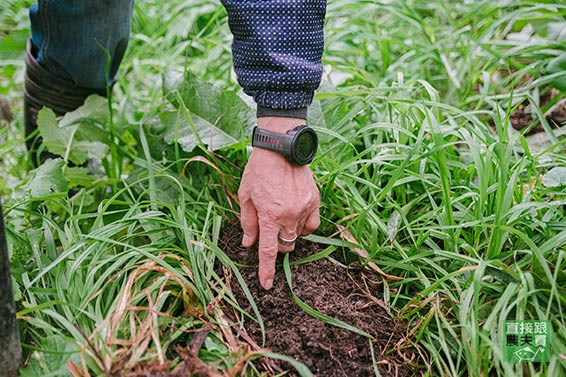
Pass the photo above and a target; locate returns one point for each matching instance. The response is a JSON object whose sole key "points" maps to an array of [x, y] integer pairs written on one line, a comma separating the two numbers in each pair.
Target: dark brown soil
{"points": [[348, 294], [522, 117]]}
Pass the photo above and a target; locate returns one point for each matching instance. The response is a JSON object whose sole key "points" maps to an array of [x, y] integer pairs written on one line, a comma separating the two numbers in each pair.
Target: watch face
{"points": [[305, 147]]}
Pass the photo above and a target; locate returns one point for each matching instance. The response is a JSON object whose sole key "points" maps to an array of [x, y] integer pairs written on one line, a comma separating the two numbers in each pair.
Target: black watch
{"points": [[298, 145]]}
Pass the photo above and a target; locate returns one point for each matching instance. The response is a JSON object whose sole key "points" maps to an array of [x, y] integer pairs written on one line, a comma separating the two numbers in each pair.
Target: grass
{"points": [[418, 163]]}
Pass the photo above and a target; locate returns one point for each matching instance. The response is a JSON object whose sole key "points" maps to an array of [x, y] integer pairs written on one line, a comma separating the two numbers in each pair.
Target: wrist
{"points": [[263, 111], [279, 124]]}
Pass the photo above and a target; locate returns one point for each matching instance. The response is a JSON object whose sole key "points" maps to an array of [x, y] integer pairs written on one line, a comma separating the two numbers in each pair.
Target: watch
{"points": [[298, 145]]}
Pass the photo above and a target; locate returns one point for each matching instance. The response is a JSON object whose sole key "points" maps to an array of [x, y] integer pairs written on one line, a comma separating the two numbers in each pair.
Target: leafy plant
{"points": [[419, 168]]}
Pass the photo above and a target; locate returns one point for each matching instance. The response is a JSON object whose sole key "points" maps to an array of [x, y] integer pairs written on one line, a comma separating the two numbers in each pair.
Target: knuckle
{"points": [[269, 254], [295, 212], [273, 212]]}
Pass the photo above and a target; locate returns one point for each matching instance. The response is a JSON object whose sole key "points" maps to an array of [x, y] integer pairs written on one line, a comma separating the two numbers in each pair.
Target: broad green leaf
{"points": [[220, 108], [79, 133], [180, 130], [57, 351], [79, 177], [94, 108], [47, 179], [556, 177]]}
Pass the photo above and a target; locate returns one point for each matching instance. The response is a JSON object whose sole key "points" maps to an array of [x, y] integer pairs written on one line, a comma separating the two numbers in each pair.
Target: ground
{"points": [[348, 293], [522, 118], [436, 167]]}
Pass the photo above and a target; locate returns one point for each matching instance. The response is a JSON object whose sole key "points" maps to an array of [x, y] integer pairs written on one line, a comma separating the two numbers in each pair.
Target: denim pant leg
{"points": [[74, 37]]}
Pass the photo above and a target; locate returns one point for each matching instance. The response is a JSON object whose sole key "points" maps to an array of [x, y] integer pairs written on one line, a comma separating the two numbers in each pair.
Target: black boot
{"points": [[42, 88]]}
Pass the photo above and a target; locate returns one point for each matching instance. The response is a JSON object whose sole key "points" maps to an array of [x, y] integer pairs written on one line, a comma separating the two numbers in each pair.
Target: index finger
{"points": [[268, 247]]}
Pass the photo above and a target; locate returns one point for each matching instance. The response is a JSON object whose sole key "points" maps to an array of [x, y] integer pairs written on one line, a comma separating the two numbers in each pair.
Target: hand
{"points": [[278, 199]]}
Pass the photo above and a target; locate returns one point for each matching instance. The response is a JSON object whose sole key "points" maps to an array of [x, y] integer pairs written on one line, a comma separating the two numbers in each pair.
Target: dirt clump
{"points": [[348, 294], [522, 117]]}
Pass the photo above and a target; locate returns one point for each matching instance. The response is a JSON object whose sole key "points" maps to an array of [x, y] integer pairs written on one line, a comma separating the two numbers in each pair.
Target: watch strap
{"points": [[270, 140]]}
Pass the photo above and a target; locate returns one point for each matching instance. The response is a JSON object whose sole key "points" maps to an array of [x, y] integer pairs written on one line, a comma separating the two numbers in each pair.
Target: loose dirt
{"points": [[350, 294], [523, 117]]}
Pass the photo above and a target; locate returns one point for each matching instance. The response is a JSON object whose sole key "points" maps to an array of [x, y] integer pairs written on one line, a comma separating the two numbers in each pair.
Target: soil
{"points": [[556, 117], [5, 111], [348, 294]]}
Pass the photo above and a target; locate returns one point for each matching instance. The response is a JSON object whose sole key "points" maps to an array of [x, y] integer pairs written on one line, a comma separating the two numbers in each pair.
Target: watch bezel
{"points": [[297, 133]]}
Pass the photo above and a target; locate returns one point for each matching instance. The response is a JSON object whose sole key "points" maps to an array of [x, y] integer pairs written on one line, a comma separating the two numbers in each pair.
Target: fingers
{"points": [[249, 222], [312, 222], [286, 239], [267, 254]]}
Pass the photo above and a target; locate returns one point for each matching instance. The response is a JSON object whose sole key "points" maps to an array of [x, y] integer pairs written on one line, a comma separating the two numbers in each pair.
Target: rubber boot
{"points": [[42, 88]]}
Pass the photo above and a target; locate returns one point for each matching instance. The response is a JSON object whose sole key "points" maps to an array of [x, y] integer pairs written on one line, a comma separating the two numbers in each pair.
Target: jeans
{"points": [[277, 46], [75, 38]]}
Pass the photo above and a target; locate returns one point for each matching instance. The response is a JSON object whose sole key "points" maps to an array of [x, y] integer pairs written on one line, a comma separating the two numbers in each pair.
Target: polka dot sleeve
{"points": [[277, 49]]}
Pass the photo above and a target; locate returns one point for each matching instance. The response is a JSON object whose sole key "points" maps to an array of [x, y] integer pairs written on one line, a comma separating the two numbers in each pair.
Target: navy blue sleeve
{"points": [[277, 50]]}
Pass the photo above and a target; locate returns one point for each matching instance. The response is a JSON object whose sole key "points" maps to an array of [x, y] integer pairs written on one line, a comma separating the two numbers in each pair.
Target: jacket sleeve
{"points": [[277, 51]]}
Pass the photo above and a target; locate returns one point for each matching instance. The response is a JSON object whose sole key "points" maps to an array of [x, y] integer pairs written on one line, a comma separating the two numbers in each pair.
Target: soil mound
{"points": [[348, 294]]}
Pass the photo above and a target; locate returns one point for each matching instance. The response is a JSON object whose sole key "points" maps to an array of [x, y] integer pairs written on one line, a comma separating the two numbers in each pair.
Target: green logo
{"points": [[526, 341]]}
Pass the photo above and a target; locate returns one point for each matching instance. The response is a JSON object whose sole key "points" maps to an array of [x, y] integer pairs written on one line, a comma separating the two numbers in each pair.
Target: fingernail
{"points": [[268, 284], [246, 240]]}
